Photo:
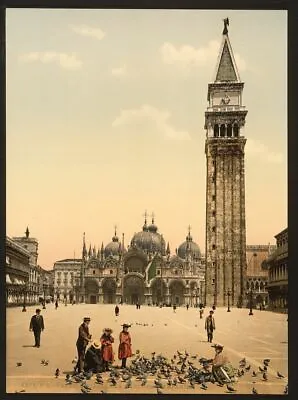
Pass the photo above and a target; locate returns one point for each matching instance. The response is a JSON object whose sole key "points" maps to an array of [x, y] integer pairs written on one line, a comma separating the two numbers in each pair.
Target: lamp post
{"points": [[44, 297], [228, 294], [250, 301], [24, 304]]}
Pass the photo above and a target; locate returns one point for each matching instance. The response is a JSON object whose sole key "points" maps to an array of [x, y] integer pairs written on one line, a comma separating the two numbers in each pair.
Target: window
{"points": [[93, 272], [213, 264], [216, 130], [111, 272], [236, 130], [213, 247], [158, 272], [213, 213], [213, 281], [213, 197], [229, 130], [213, 228], [176, 272], [187, 282], [222, 130]]}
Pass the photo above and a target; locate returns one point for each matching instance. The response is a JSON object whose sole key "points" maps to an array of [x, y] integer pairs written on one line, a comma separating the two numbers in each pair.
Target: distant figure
{"points": [[93, 359], [56, 304], [187, 306], [124, 350], [65, 302], [82, 342], [210, 326], [116, 311], [201, 312], [260, 307], [213, 308], [174, 308], [37, 325], [106, 347]]}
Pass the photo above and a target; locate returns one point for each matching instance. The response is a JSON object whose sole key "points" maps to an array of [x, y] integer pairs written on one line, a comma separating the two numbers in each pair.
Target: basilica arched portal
{"points": [[177, 291], [158, 291], [133, 289], [109, 291], [91, 291]]}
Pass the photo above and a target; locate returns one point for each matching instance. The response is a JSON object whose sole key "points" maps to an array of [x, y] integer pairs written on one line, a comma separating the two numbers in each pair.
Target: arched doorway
{"points": [[177, 290], [133, 289], [91, 290], [109, 291], [158, 291]]}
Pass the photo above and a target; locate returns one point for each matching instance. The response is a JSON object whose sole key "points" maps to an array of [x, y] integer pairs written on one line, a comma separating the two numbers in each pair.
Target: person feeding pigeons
{"points": [[82, 342], [124, 350], [106, 341], [93, 359], [222, 369]]}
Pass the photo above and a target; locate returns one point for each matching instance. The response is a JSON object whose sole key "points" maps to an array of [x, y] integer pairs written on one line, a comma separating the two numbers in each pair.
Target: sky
{"points": [[105, 120]]}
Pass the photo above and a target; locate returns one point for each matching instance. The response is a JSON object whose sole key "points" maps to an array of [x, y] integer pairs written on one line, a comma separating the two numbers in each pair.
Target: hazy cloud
{"points": [[85, 30], [160, 118], [64, 60], [188, 55], [258, 149], [119, 71]]}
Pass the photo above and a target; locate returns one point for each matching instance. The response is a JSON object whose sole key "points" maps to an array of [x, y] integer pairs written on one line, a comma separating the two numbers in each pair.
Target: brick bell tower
{"points": [[225, 188]]}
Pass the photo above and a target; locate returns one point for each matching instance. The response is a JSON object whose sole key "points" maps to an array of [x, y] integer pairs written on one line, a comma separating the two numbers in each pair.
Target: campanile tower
{"points": [[225, 188]]}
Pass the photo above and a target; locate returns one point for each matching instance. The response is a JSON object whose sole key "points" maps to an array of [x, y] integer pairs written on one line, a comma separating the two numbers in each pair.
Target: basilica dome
{"points": [[149, 240], [189, 247], [114, 248]]}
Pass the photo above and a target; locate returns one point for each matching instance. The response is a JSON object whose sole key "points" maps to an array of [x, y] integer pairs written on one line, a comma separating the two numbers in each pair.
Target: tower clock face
{"points": [[225, 100]]}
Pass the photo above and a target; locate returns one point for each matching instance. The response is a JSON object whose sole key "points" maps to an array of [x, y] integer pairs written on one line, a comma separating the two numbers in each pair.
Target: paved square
{"points": [[263, 335]]}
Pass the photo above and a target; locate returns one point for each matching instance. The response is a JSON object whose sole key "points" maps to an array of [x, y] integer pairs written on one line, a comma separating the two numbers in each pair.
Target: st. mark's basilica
{"points": [[144, 273]]}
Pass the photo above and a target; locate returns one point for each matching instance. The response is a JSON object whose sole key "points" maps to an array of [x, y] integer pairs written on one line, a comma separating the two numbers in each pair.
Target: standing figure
{"points": [[116, 311], [82, 341], [106, 341], [124, 350], [37, 325], [201, 312], [210, 326], [187, 306], [56, 304]]}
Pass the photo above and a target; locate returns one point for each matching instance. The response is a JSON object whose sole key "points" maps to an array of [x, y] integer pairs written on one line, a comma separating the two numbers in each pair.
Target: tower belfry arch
{"points": [[225, 188]]}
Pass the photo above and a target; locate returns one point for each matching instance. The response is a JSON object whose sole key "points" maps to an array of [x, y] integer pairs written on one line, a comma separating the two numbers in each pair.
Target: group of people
{"points": [[100, 355]]}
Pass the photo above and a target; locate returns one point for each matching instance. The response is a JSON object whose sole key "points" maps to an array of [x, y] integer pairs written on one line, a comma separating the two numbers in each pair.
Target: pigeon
{"points": [[85, 386], [261, 369], [231, 389], [286, 389], [254, 391], [204, 386], [220, 384], [46, 363], [279, 375], [57, 372], [192, 384], [265, 377], [67, 377], [20, 391], [128, 384], [75, 360], [266, 361], [247, 368], [19, 364], [254, 373], [102, 392], [144, 381], [83, 390], [243, 361], [159, 391]]}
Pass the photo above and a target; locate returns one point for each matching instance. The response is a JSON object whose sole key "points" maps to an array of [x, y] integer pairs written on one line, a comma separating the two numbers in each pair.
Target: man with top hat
{"points": [[37, 325], [93, 359], [210, 325], [124, 349], [82, 342], [106, 341], [222, 369]]}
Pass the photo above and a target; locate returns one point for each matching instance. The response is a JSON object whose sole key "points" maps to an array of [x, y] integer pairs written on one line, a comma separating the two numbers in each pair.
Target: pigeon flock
{"points": [[181, 371]]}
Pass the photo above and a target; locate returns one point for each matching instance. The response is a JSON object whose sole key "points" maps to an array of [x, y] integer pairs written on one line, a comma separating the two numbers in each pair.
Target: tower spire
{"points": [[84, 252], [27, 233]]}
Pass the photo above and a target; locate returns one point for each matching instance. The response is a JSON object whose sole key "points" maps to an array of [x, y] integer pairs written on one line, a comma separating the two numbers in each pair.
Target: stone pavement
{"points": [[263, 335]]}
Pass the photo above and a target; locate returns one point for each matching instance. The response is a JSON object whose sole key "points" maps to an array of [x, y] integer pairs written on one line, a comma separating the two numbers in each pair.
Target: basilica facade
{"points": [[145, 272]]}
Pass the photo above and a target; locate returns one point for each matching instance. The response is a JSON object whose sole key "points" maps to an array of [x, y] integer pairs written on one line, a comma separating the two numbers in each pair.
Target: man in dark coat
{"points": [[37, 325], [83, 339], [93, 358], [210, 326], [116, 311]]}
